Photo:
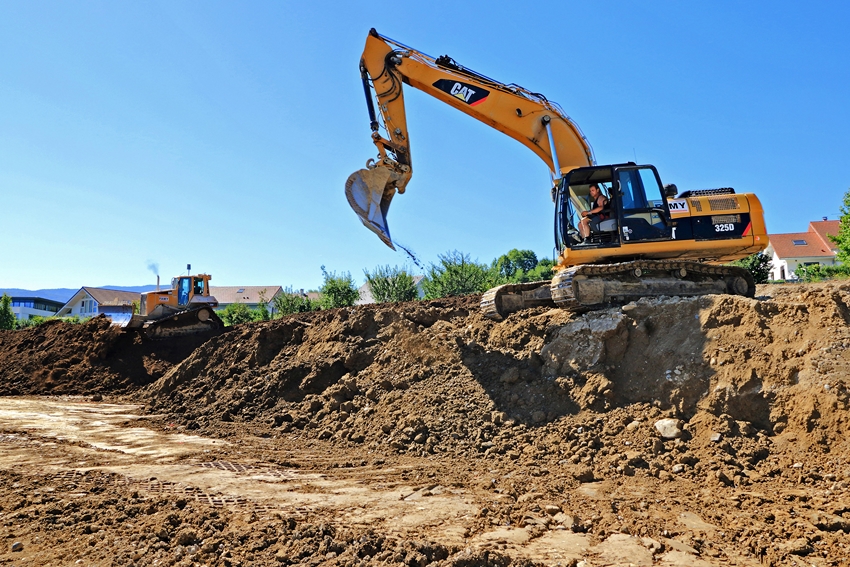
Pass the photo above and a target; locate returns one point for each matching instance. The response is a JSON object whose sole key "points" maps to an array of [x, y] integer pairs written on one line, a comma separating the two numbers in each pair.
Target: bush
{"points": [[818, 273], [338, 291], [290, 302], [457, 274], [390, 285], [758, 265], [32, 322], [235, 314]]}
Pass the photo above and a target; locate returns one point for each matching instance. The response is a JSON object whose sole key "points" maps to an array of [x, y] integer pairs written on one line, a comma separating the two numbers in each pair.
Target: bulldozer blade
{"points": [[369, 194]]}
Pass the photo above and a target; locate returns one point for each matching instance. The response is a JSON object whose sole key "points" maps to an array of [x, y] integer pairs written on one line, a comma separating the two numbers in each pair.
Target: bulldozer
{"points": [[648, 240], [187, 308]]}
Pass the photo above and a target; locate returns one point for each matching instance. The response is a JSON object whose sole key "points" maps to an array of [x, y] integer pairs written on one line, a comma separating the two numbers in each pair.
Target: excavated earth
{"points": [[671, 431]]}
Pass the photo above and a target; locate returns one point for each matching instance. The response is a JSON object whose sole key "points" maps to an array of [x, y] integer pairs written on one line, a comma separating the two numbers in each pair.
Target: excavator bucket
{"points": [[369, 192]]}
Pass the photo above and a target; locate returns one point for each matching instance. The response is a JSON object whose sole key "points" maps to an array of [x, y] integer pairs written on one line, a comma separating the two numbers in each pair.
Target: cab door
{"points": [[644, 215], [183, 288]]}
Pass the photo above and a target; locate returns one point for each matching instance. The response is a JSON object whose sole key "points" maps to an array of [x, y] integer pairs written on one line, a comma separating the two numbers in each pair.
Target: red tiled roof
{"points": [[783, 245], [824, 229]]}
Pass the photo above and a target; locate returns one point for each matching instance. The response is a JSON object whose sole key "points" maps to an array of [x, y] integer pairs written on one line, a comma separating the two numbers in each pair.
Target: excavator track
{"points": [[499, 302], [600, 285], [188, 322], [592, 286]]}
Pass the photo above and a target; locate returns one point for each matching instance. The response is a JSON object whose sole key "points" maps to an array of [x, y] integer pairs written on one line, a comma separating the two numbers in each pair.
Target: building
{"points": [[28, 307], [790, 251], [247, 294], [366, 292], [92, 301]]}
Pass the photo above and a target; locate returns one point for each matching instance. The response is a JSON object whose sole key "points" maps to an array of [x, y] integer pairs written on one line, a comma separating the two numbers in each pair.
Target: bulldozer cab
{"points": [[637, 209], [189, 286]]}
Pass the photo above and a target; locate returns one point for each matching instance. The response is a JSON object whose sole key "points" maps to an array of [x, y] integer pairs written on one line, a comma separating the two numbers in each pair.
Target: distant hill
{"points": [[63, 294]]}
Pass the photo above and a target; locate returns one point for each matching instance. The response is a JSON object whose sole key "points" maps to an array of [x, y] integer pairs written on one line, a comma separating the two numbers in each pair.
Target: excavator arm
{"points": [[387, 65]]}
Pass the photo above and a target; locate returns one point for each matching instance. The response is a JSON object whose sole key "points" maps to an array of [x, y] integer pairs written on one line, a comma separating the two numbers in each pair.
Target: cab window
{"points": [[183, 291], [632, 188]]}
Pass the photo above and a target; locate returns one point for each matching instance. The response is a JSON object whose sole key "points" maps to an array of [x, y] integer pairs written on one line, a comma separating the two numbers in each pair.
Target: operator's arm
{"points": [[597, 209]]}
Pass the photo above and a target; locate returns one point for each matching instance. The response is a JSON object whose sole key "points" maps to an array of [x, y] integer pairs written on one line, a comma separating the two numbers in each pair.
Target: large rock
{"points": [[669, 428], [596, 338]]}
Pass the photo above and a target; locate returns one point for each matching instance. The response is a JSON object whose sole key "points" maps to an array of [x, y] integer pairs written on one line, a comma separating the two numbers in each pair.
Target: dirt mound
{"points": [[440, 377], [93, 357]]}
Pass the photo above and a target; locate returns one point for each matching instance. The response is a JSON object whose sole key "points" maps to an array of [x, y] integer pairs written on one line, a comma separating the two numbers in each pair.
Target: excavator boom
{"points": [[387, 65]]}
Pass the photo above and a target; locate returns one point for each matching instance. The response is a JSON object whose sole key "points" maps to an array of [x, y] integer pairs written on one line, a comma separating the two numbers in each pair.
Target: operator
{"points": [[591, 218]]}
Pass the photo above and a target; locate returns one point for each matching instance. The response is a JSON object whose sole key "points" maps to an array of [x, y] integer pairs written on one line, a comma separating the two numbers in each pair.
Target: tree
{"points": [[541, 272], [513, 266], [758, 265], [262, 310], [338, 291], [391, 284], [7, 316], [842, 239], [290, 302], [456, 274]]}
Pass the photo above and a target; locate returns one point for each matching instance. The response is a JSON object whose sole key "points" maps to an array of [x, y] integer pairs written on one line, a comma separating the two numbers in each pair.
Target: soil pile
{"points": [[439, 377], [89, 358]]}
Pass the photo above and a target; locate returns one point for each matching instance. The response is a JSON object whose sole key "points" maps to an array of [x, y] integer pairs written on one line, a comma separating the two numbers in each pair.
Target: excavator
{"points": [[653, 240], [186, 308]]}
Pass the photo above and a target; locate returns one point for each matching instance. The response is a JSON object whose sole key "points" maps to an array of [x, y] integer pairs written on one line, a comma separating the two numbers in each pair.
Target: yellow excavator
{"points": [[649, 240], [187, 308]]}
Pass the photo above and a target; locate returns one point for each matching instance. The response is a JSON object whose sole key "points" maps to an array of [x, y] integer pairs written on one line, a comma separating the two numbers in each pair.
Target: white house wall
{"points": [[24, 313], [790, 265], [82, 305]]}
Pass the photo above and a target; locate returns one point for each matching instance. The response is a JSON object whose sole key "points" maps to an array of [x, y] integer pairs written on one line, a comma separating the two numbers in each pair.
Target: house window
{"points": [[799, 242]]}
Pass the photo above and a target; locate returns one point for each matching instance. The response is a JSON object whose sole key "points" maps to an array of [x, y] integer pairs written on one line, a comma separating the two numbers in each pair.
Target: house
{"points": [[790, 251], [366, 292], [247, 294], [29, 307], [92, 301]]}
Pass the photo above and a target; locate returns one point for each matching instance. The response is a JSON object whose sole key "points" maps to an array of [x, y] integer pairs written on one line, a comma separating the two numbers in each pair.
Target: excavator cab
{"points": [[637, 209]]}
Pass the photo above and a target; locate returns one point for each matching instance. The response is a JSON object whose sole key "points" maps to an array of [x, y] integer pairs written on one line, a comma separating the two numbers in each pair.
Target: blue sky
{"points": [[221, 133]]}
